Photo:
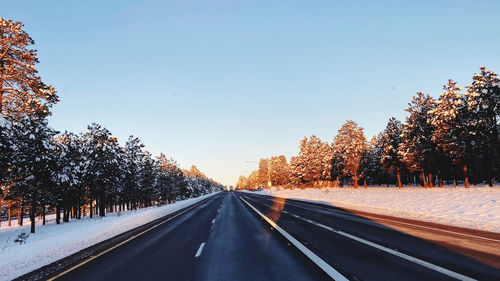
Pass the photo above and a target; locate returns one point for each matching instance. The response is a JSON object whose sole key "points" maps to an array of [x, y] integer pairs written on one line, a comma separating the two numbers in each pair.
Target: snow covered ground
{"points": [[53, 242], [474, 207]]}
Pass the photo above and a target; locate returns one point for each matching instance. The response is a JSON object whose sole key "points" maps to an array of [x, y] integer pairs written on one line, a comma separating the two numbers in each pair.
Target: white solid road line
{"points": [[395, 221], [199, 250], [334, 274], [388, 250]]}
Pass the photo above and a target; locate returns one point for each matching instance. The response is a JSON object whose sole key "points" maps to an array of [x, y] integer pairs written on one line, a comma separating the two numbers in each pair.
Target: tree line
{"points": [[71, 174], [454, 138]]}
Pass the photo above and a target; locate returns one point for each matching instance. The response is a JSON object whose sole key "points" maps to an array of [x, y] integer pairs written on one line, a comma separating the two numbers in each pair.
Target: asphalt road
{"points": [[237, 246], [225, 238], [474, 255]]}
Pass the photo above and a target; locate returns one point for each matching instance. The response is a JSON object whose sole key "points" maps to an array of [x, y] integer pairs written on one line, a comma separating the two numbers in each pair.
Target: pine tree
{"points": [[483, 99], [451, 119], [314, 161], [22, 91], [296, 168], [350, 143], [33, 163], [6, 150], [69, 175], [391, 140], [242, 183], [279, 171], [263, 172], [102, 166], [133, 154], [370, 168], [146, 178], [418, 150]]}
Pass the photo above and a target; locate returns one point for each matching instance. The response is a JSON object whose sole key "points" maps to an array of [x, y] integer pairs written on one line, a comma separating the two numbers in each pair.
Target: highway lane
{"points": [[217, 240], [242, 247], [327, 233], [164, 253]]}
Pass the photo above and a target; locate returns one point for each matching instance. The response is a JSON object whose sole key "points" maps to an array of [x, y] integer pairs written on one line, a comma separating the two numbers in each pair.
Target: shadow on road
{"points": [[472, 253]]}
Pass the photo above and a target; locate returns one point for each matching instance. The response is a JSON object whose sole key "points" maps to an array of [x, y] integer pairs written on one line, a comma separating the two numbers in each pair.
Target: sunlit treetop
{"points": [[22, 92]]}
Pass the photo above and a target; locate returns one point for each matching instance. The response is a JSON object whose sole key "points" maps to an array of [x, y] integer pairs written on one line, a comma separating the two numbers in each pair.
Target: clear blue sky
{"points": [[218, 83]]}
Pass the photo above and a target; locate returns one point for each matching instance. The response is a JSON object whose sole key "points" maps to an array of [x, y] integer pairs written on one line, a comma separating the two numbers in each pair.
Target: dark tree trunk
{"points": [[58, 214], [466, 176], [8, 213], [102, 207], [398, 176], [431, 181], [91, 208], [43, 214], [32, 216], [66, 214], [423, 179], [20, 219]]}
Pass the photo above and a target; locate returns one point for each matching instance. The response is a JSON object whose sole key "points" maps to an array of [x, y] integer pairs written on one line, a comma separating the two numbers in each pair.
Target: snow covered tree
{"points": [[391, 140], [69, 176], [337, 171], [278, 170], [146, 178], [369, 167], [451, 119], [102, 165], [195, 173], [242, 183], [6, 149], [33, 163], [22, 91], [296, 169], [418, 150], [483, 99], [350, 143], [263, 172], [132, 157], [178, 187], [313, 162]]}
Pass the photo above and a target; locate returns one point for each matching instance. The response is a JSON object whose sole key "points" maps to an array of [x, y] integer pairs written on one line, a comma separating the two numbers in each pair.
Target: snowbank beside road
{"points": [[53, 242], [474, 207]]}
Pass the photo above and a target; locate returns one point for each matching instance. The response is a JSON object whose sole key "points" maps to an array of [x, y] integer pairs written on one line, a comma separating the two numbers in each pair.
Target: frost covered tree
{"points": [[132, 158], [69, 176], [418, 150], [278, 170], [6, 150], [102, 166], [350, 143], [33, 164], [242, 183], [313, 163], [146, 179], [263, 172], [6, 154], [22, 91], [369, 167], [451, 120], [195, 173], [391, 140], [483, 99], [178, 187]]}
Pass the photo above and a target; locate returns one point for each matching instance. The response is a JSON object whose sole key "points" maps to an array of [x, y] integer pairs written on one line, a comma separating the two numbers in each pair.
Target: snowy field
{"points": [[474, 207], [53, 242]]}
